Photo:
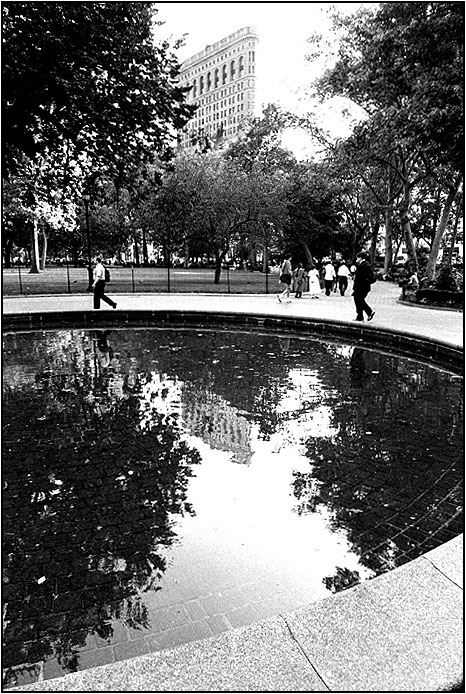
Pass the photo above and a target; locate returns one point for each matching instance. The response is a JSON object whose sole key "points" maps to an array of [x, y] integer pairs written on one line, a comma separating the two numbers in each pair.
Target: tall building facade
{"points": [[223, 85]]}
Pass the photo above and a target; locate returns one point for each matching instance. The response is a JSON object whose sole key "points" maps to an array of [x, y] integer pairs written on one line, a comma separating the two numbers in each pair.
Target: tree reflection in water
{"points": [[88, 510], [391, 474]]}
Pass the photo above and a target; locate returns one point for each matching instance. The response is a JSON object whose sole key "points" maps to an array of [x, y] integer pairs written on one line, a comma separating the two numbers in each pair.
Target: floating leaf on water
{"points": [[42, 579]]}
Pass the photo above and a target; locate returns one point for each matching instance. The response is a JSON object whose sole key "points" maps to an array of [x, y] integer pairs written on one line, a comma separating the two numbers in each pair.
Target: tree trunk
{"points": [[219, 257], [388, 260], [449, 253], [136, 253], [7, 251], [43, 256], [406, 225], [145, 255], [34, 249], [439, 232], [265, 258], [186, 255], [309, 258], [374, 237]]}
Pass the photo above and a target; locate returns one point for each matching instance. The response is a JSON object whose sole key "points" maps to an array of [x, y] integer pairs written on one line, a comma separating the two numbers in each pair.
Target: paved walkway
{"points": [[445, 325]]}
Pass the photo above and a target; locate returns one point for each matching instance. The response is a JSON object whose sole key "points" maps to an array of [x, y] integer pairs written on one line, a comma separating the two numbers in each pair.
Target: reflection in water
{"points": [[122, 485]]}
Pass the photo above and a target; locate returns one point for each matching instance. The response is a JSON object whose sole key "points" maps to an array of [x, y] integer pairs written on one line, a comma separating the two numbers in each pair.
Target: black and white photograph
{"points": [[232, 358]]}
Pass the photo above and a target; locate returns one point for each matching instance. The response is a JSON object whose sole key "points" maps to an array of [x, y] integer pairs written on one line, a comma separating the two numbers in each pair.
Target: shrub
{"points": [[445, 279]]}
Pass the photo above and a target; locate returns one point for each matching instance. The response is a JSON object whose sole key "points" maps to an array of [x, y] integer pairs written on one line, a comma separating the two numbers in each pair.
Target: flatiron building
{"points": [[223, 83]]}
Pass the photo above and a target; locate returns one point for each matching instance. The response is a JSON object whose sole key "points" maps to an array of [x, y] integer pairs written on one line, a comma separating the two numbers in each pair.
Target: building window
{"points": [[209, 84], [232, 70], [241, 66], [201, 84], [216, 78], [194, 89], [224, 74]]}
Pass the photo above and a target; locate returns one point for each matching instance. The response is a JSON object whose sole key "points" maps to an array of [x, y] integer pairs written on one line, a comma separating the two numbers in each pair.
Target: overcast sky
{"points": [[282, 71]]}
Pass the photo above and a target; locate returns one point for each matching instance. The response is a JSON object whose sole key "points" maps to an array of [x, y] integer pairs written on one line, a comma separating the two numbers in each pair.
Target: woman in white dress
{"points": [[314, 283]]}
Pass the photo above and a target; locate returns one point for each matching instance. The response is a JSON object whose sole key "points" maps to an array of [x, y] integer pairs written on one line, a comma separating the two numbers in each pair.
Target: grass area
{"points": [[124, 280]]}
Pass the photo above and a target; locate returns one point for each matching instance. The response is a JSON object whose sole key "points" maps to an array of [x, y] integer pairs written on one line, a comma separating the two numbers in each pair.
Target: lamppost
{"points": [[86, 198]]}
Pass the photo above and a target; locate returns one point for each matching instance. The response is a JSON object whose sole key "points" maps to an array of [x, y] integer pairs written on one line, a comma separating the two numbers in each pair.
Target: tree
{"points": [[403, 65], [260, 145], [87, 75], [209, 201], [87, 85], [313, 227]]}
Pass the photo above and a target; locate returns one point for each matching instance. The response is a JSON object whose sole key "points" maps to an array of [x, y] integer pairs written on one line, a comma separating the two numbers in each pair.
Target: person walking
{"points": [[342, 275], [315, 289], [299, 277], [335, 264], [363, 278], [99, 286], [329, 277], [285, 278]]}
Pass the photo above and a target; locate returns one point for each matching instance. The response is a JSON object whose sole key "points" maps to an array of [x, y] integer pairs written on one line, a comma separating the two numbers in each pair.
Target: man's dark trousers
{"points": [[361, 305], [99, 294]]}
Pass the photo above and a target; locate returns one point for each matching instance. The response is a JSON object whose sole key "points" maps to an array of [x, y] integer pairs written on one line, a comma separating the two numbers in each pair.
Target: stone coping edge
{"points": [[431, 306], [401, 631], [436, 352]]}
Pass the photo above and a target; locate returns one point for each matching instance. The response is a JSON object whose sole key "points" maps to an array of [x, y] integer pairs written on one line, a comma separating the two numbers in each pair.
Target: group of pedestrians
{"points": [[335, 278]]}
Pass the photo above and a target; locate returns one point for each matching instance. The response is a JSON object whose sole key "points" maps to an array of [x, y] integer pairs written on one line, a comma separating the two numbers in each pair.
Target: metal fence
{"points": [[65, 279]]}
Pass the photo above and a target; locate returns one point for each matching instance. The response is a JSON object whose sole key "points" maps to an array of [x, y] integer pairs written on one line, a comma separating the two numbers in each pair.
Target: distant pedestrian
{"points": [[413, 281], [315, 289], [329, 277], [99, 286], [299, 276], [342, 275], [335, 264], [363, 278], [285, 278]]}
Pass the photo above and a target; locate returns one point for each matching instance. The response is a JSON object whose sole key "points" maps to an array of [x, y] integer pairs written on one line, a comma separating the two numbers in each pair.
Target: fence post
{"points": [[228, 277], [68, 273], [132, 277], [19, 277]]}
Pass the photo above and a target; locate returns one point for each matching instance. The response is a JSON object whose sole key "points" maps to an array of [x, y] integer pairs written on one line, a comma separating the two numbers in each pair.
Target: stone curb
{"points": [[401, 631], [432, 351]]}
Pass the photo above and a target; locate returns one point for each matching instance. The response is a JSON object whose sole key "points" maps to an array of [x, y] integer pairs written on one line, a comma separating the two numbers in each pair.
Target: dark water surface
{"points": [[163, 486]]}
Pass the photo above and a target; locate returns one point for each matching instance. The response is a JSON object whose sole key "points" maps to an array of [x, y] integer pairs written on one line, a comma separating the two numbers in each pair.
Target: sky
{"points": [[284, 76]]}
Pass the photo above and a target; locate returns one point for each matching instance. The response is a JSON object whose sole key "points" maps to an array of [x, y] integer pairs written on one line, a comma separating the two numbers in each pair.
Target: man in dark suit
{"points": [[363, 278]]}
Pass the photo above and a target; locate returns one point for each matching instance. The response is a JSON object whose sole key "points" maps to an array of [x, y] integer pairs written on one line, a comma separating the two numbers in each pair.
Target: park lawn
{"points": [[124, 280]]}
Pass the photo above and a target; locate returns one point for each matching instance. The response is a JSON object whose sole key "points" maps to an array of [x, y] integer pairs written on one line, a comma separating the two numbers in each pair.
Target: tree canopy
{"points": [[88, 75]]}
